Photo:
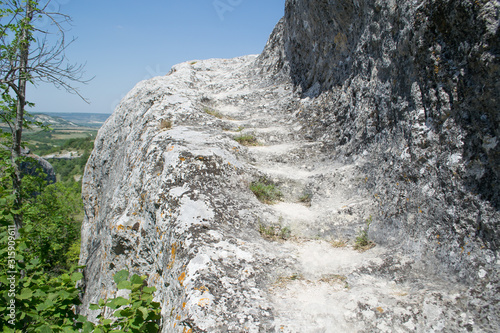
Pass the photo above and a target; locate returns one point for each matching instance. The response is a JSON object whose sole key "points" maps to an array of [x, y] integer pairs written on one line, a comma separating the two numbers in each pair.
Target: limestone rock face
{"points": [[369, 115], [412, 87]]}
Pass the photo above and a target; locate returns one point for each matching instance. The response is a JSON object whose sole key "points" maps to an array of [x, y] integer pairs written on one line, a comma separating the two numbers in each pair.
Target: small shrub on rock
{"points": [[266, 193]]}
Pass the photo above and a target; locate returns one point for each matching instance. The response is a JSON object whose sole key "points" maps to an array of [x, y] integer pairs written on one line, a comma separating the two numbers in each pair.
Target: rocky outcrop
{"points": [[370, 115], [34, 164]]}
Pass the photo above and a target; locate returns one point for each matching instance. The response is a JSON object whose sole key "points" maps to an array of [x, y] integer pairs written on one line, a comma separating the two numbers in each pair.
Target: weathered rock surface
{"points": [[378, 111], [38, 163]]}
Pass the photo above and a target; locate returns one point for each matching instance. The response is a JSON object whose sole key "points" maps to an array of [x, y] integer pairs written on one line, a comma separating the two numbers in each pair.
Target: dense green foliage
{"points": [[51, 225], [137, 313], [44, 301], [69, 170]]}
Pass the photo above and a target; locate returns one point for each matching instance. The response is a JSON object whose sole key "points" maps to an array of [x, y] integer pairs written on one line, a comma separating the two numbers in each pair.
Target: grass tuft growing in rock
{"points": [[266, 192], [212, 112], [362, 242], [335, 279], [283, 281], [165, 124], [306, 199], [339, 243], [247, 140], [275, 232]]}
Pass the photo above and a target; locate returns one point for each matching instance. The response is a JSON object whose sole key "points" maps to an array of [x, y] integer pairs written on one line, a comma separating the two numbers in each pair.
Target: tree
{"points": [[27, 55]]}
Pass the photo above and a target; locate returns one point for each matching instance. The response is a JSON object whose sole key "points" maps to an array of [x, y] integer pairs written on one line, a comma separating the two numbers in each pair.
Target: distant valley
{"points": [[68, 120]]}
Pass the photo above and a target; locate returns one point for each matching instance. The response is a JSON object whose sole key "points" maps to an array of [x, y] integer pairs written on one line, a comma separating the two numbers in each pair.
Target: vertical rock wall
{"points": [[412, 88]]}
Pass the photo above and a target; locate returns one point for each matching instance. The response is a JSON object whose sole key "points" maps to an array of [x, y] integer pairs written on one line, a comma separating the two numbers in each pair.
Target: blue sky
{"points": [[124, 42]]}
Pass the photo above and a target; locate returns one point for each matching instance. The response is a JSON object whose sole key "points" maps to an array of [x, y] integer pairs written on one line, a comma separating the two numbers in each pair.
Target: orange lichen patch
{"points": [[184, 305], [437, 236], [156, 277], [181, 278], [120, 228], [202, 289], [379, 309], [200, 158], [178, 318], [172, 256], [204, 302], [185, 330], [182, 159], [170, 148]]}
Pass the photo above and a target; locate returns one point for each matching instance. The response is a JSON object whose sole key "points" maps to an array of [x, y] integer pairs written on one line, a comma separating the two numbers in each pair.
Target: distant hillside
{"points": [[54, 119]]}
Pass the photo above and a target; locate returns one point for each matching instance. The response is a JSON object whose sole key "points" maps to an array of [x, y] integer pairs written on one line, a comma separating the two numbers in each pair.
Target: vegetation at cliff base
{"points": [[137, 313]]}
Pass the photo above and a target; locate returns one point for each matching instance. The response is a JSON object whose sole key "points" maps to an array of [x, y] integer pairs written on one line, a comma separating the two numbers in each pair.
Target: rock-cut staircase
{"points": [[150, 192], [328, 285]]}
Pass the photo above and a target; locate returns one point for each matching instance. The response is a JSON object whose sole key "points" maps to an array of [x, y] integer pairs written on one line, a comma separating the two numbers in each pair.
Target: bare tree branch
{"points": [[28, 55]]}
